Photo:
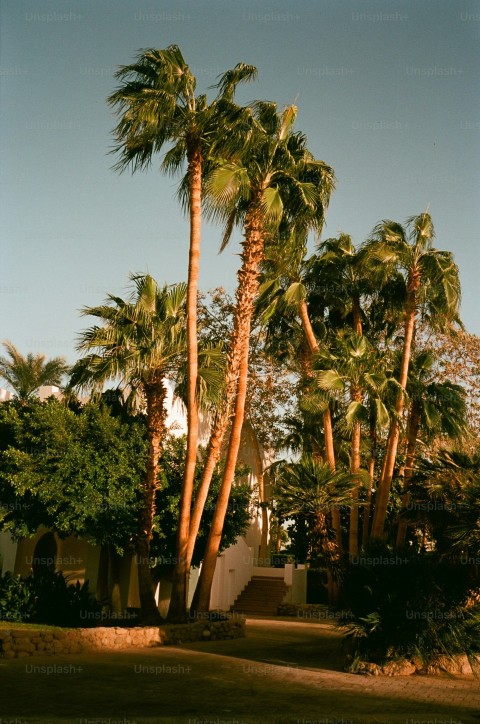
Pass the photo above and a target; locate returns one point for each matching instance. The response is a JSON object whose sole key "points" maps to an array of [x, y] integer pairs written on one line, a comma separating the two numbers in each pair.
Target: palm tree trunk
{"points": [[263, 554], [368, 500], [217, 434], [220, 426], [330, 455], [355, 467], [332, 555], [357, 315], [385, 482], [178, 602], [307, 327], [413, 426], [150, 614], [327, 417], [155, 398], [333, 576], [246, 293]]}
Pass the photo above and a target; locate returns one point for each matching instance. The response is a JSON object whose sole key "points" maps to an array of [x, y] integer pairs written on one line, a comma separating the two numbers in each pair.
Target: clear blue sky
{"points": [[387, 94]]}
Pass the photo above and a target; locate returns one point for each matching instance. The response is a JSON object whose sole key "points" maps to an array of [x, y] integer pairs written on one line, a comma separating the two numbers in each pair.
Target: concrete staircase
{"points": [[261, 596]]}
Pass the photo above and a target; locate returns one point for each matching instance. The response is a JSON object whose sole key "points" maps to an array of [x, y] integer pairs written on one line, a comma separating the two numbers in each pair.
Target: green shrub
{"points": [[60, 603], [394, 606], [17, 600], [48, 598]]}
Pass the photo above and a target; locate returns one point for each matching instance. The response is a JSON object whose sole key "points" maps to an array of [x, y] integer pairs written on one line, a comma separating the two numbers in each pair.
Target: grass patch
{"points": [[13, 625]]}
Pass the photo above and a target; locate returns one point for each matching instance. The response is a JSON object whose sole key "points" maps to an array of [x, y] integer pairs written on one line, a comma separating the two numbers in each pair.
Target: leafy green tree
{"points": [[27, 374], [81, 473], [77, 473]]}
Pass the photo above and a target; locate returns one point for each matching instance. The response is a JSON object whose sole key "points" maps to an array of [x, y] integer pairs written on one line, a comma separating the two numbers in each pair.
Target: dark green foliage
{"points": [[445, 502], [60, 603], [394, 605], [48, 598], [16, 599], [75, 473]]}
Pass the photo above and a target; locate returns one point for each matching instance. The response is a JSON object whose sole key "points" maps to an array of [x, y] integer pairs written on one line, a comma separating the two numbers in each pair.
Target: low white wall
{"points": [[233, 572], [295, 579], [268, 572], [298, 590]]}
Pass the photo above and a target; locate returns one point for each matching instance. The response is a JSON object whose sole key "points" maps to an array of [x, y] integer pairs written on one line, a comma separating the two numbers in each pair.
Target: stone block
{"points": [[24, 646]]}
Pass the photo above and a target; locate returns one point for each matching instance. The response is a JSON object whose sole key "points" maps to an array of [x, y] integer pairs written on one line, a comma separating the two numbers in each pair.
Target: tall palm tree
{"points": [[432, 286], [287, 289], [338, 276], [140, 344], [273, 178], [27, 374], [158, 106]]}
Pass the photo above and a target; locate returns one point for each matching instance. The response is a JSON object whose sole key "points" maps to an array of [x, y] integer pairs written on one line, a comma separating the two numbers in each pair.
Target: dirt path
{"points": [[284, 672]]}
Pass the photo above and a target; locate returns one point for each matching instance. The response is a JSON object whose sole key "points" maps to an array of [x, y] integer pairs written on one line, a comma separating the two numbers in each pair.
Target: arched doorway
{"points": [[45, 554]]}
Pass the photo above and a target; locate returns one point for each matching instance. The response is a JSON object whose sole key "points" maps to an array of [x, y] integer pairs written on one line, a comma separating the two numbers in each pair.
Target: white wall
{"points": [[233, 572]]}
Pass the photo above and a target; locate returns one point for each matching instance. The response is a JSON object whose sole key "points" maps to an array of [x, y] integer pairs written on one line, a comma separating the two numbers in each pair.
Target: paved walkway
{"points": [[284, 672]]}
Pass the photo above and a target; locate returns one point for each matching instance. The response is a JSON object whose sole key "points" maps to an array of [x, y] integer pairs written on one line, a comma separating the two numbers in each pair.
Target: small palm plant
{"points": [[308, 488]]}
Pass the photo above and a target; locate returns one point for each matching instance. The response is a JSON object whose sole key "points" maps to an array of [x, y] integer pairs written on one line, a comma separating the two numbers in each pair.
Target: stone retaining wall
{"points": [[457, 664], [16, 642]]}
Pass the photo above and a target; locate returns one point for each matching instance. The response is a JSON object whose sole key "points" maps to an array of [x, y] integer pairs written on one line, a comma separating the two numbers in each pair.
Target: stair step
{"points": [[262, 595]]}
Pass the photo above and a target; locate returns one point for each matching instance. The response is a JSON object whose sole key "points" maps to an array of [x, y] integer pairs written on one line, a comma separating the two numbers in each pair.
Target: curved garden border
{"points": [[20, 641]]}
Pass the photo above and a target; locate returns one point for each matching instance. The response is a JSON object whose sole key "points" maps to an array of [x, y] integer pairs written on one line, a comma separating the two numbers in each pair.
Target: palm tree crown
{"points": [[141, 340], [27, 374]]}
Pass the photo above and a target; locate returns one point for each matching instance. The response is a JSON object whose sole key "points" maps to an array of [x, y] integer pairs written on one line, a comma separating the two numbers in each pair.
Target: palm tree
{"points": [[338, 276], [140, 344], [274, 178], [432, 285], [352, 364], [27, 374], [288, 288], [437, 408], [158, 106]]}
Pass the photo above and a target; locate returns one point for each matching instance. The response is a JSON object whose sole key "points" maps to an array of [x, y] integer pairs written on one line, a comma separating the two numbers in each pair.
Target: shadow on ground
{"points": [[284, 672]]}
